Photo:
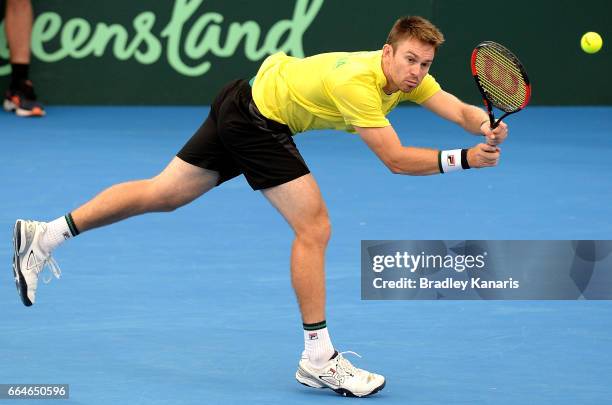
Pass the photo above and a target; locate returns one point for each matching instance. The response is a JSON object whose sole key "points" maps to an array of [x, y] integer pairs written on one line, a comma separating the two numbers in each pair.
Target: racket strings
{"points": [[501, 78]]}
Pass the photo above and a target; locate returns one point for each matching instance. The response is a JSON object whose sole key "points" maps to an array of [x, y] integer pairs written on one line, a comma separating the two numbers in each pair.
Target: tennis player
{"points": [[249, 131]]}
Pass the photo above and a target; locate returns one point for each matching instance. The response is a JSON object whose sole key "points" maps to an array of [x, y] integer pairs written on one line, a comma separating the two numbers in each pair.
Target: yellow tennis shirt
{"points": [[336, 90]]}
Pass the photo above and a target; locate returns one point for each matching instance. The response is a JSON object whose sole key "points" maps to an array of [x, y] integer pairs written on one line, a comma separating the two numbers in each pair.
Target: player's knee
{"points": [[396, 169], [317, 231], [324, 231]]}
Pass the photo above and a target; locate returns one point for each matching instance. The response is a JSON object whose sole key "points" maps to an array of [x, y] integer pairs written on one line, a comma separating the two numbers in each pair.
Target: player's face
{"points": [[408, 65]]}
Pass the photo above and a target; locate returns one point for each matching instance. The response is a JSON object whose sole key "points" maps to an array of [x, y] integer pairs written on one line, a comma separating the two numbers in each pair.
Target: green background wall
{"points": [[544, 34]]}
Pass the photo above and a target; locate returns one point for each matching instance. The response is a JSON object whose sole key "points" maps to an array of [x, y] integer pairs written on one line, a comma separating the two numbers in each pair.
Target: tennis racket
{"points": [[501, 79]]}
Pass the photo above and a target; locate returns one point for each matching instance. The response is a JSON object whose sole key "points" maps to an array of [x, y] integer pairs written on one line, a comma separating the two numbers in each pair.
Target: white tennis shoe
{"points": [[29, 259], [341, 376]]}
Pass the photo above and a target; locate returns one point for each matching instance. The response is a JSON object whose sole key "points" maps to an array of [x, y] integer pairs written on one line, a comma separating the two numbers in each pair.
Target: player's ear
{"points": [[387, 50]]}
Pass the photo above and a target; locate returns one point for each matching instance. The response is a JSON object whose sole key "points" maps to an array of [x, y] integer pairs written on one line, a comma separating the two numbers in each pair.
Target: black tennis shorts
{"points": [[237, 139]]}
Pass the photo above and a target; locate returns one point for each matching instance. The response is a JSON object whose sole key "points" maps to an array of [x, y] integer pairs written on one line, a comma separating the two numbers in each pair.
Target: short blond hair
{"points": [[415, 27]]}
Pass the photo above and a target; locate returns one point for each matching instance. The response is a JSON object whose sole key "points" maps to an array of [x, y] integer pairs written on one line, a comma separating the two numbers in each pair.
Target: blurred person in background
{"points": [[20, 96]]}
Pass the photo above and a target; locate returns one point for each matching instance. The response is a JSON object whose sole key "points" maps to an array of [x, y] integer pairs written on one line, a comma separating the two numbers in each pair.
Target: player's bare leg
{"points": [[18, 26], [301, 204], [178, 184]]}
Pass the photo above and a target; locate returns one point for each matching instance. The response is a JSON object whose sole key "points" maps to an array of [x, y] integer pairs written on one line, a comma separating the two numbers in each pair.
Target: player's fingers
{"points": [[486, 147], [488, 160], [500, 133], [501, 137], [491, 157], [486, 130], [485, 155], [501, 128], [493, 161]]}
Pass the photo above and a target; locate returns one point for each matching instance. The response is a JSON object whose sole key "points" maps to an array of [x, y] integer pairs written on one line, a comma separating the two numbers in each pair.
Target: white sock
{"points": [[58, 231], [318, 348]]}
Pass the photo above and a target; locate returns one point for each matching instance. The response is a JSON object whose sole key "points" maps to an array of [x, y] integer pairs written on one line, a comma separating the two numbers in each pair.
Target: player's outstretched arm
{"points": [[469, 117], [400, 159]]}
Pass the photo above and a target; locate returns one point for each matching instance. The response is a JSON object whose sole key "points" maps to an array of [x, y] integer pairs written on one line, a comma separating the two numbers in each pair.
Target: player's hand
{"points": [[495, 136], [483, 155]]}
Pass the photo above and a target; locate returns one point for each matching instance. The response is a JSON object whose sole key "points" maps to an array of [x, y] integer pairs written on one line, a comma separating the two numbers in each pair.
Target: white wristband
{"points": [[450, 160]]}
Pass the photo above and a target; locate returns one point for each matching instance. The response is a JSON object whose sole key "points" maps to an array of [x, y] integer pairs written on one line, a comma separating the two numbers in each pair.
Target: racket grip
{"points": [[492, 121]]}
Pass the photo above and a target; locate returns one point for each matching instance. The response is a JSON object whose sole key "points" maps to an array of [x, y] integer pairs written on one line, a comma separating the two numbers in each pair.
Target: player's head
{"points": [[409, 52]]}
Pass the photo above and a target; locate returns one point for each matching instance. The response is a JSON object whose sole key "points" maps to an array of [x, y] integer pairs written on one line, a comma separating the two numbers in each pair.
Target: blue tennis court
{"points": [[196, 306]]}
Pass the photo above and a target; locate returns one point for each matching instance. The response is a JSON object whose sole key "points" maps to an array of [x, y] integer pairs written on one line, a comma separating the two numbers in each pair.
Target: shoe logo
{"points": [[331, 380], [332, 377], [66, 235], [313, 336]]}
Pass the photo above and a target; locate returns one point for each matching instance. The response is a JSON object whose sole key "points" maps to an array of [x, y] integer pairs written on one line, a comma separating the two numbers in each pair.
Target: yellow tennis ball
{"points": [[591, 42]]}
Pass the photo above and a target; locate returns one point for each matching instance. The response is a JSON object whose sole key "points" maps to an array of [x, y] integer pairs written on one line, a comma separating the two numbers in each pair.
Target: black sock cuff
{"points": [[73, 229], [315, 326], [19, 73]]}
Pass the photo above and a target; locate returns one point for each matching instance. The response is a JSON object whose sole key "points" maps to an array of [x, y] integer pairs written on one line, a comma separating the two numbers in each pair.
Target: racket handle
{"points": [[492, 125]]}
